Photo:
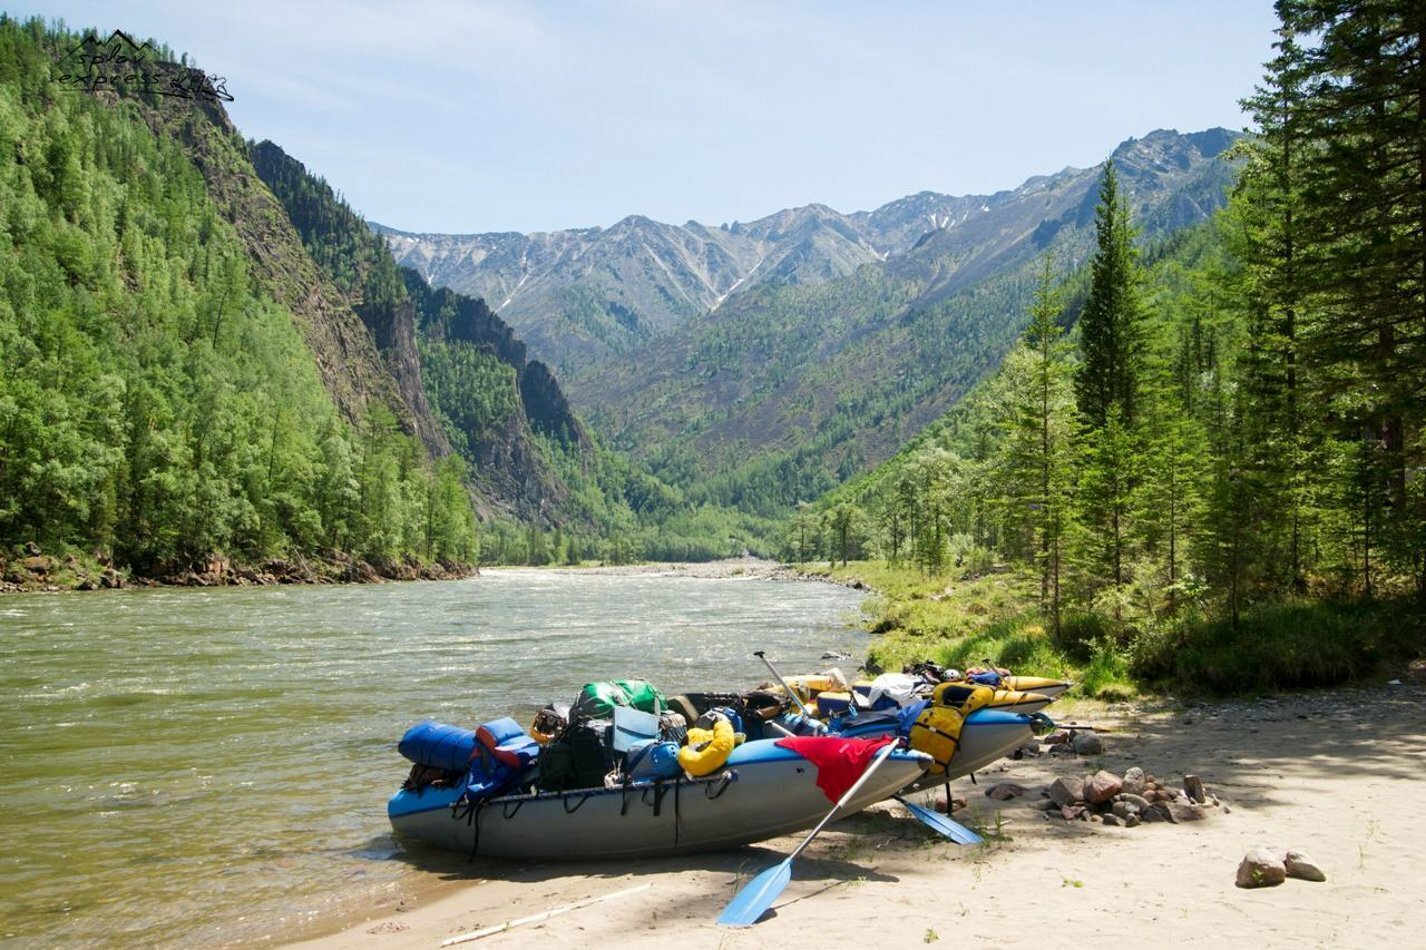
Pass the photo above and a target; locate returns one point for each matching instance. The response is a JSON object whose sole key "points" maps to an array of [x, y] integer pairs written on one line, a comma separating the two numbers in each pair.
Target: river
{"points": [[211, 766]]}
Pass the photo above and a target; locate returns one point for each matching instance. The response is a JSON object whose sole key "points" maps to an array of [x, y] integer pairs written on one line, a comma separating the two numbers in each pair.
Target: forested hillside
{"points": [[161, 409], [1216, 475], [553, 494], [786, 390]]}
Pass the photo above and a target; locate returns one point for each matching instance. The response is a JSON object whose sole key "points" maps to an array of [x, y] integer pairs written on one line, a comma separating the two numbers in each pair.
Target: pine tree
{"points": [[1111, 331], [1363, 257], [1034, 463]]}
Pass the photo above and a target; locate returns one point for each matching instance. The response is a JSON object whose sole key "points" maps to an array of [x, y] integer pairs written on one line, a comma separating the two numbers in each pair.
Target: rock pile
{"points": [[1127, 800], [1268, 867]]}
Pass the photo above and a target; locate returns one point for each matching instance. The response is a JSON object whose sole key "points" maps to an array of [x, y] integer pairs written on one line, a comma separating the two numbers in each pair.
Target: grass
{"points": [[1292, 645], [960, 620]]}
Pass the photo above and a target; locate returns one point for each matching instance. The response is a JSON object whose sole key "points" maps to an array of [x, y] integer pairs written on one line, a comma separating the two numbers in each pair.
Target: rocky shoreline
{"points": [[37, 571], [744, 568]]}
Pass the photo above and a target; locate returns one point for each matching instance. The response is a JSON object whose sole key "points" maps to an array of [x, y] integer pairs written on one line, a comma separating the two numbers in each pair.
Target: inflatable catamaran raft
{"points": [[480, 792]]}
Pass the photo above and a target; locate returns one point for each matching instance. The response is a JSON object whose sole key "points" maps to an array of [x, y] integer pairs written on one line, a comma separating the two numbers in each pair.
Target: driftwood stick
{"points": [[537, 918]]}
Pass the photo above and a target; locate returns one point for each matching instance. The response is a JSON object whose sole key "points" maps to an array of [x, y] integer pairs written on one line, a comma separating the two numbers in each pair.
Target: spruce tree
{"points": [[1111, 332]]}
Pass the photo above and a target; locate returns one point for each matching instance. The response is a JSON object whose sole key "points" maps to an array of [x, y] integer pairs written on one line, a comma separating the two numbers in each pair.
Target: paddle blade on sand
{"points": [[756, 896], [954, 830]]}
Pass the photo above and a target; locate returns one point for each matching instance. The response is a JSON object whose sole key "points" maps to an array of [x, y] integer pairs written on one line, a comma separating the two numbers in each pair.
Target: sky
{"points": [[525, 115]]}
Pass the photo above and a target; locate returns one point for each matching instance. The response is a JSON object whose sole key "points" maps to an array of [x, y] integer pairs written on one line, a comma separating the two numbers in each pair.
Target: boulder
{"points": [[1261, 867], [1302, 867], [1067, 791], [1101, 787], [1004, 791], [1087, 743], [1134, 781], [1186, 811], [37, 564], [1123, 810], [1138, 801]]}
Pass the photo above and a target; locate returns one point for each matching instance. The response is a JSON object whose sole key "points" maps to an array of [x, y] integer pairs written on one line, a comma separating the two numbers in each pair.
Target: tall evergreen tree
{"points": [[1111, 326], [1034, 464]]}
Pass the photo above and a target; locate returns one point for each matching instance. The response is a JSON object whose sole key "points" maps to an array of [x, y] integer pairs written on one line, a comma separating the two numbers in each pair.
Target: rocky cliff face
{"points": [[402, 313], [350, 363]]}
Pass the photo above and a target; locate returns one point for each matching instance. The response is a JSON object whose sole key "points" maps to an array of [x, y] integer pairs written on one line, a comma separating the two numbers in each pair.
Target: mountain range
{"points": [[768, 360]]}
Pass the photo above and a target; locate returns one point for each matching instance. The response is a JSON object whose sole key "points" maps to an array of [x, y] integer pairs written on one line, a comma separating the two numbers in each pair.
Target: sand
{"points": [[1338, 775]]}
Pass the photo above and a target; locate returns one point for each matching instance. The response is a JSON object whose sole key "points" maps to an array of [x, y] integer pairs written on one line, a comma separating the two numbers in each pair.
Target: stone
{"points": [[1101, 787], [1004, 791], [1044, 805], [1113, 820], [1261, 867], [1138, 801], [1123, 810], [1134, 781], [1057, 738], [1302, 867], [1071, 812], [1133, 821], [1067, 791], [1193, 788], [1030, 748], [1087, 743], [1186, 811]]}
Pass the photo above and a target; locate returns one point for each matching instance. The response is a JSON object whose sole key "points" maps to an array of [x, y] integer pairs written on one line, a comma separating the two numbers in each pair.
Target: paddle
{"points": [[778, 676], [758, 894], [940, 824]]}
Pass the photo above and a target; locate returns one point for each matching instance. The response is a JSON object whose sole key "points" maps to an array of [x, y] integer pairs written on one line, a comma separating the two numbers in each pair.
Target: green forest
{"points": [[1210, 465], [157, 407]]}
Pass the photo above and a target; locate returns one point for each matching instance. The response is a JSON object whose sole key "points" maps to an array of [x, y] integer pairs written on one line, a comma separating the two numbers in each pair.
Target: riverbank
{"points": [[37, 571], [1335, 774], [746, 568]]}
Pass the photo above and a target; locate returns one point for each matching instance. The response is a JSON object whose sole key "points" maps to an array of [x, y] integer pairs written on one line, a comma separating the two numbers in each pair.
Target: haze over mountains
{"points": [[803, 346]]}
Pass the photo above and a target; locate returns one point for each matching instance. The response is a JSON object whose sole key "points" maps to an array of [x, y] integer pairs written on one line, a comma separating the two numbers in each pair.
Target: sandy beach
{"points": [[1335, 774]]}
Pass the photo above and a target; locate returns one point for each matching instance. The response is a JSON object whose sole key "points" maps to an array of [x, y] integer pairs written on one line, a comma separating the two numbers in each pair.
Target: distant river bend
{"points": [[184, 766]]}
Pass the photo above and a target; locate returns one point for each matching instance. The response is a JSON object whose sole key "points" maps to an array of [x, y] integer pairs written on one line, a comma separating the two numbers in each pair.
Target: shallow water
{"points": [[211, 766]]}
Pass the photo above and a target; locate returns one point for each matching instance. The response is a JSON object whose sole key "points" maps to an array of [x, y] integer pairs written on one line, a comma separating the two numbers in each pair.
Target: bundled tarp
{"points": [[597, 700]]}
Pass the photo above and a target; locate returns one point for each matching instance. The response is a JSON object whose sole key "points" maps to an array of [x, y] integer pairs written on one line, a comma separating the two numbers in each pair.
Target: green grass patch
{"points": [[1290, 645]]}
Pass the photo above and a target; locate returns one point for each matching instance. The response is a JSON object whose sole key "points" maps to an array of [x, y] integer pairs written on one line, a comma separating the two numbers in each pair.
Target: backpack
{"points": [[579, 758]]}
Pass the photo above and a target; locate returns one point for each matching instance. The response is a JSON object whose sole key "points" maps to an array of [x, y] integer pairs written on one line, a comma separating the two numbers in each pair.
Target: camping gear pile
{"points": [[625, 772]]}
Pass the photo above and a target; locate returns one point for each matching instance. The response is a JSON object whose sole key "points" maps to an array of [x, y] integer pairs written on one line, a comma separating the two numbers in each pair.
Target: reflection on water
{"points": [[212, 765]]}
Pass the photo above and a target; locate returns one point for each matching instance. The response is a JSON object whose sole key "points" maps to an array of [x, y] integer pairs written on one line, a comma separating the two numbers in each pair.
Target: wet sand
{"points": [[1338, 775]]}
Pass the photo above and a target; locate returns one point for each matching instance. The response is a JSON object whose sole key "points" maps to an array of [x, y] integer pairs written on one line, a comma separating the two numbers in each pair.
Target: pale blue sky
{"points": [[488, 115]]}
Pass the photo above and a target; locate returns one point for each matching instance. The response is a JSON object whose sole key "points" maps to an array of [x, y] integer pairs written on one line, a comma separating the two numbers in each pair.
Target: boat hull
{"points": [[987, 735], [763, 791]]}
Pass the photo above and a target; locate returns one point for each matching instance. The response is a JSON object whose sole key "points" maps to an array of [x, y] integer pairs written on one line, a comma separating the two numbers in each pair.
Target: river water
{"points": [[212, 766]]}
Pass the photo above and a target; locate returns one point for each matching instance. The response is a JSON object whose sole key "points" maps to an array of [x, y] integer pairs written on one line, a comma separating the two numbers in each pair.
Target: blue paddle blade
{"points": [[756, 896], [954, 830]]}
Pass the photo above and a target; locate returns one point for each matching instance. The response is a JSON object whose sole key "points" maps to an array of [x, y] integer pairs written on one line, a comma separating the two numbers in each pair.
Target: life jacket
{"points": [[503, 757], [937, 729], [708, 749]]}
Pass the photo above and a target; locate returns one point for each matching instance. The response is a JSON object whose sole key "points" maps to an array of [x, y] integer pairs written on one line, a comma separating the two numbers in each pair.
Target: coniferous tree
{"points": [[1111, 326], [1035, 458]]}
